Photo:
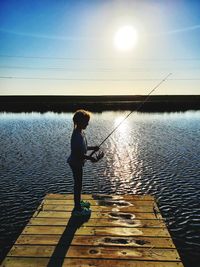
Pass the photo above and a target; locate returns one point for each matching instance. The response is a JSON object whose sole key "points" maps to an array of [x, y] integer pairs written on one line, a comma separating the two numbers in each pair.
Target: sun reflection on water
{"points": [[124, 166], [123, 125]]}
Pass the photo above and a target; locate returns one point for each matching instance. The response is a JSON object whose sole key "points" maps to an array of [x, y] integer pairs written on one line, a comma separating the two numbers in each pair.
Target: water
{"points": [[154, 154]]}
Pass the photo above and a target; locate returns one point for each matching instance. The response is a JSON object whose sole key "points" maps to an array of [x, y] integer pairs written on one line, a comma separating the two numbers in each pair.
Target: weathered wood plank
{"points": [[55, 207], [94, 215], [99, 252], [162, 232], [117, 231], [101, 203], [148, 242], [43, 262], [101, 196], [100, 222]]}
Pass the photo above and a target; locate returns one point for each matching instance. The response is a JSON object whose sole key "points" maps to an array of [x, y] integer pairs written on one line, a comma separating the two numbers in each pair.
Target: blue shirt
{"points": [[78, 148]]}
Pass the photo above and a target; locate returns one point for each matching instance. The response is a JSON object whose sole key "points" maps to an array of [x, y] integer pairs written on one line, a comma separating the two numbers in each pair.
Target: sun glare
{"points": [[125, 38], [123, 126]]}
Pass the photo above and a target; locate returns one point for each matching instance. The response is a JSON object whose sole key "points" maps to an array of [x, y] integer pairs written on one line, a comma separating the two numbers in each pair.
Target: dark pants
{"points": [[77, 175]]}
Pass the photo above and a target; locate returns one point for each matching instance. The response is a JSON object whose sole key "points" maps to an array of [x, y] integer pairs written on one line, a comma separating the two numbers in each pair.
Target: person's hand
{"points": [[99, 155], [92, 159]]}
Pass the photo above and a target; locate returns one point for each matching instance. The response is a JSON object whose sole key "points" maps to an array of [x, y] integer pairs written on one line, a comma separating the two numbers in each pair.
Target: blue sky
{"points": [[66, 47]]}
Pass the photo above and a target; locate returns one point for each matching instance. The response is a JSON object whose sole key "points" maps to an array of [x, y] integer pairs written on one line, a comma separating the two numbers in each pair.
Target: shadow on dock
{"points": [[61, 249]]}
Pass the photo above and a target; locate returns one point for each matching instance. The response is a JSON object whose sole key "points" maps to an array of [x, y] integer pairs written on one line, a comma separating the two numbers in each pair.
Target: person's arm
{"points": [[97, 157], [95, 148], [92, 159]]}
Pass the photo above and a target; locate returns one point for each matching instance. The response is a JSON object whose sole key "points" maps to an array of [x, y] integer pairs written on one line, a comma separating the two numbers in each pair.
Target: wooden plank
{"points": [[55, 207], [151, 254], [148, 242], [161, 232], [100, 203], [117, 231], [101, 196], [94, 215], [43, 262], [100, 222]]}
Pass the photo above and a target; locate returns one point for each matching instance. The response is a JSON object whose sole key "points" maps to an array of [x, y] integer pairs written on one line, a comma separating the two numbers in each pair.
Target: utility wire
{"points": [[95, 70], [90, 79], [100, 59]]}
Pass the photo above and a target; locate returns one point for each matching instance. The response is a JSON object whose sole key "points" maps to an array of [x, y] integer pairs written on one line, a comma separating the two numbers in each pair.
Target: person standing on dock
{"points": [[77, 159]]}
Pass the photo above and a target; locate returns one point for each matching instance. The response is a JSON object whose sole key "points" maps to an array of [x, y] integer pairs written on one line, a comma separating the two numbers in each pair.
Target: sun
{"points": [[126, 38]]}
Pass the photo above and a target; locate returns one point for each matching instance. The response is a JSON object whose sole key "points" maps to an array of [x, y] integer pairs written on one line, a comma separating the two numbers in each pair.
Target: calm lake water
{"points": [[150, 153]]}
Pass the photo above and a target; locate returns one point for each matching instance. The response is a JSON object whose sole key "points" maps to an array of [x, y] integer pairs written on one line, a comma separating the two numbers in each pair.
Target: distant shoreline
{"points": [[155, 103]]}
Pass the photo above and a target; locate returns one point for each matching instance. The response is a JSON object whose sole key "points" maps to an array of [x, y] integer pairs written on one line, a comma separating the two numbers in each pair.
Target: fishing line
{"points": [[139, 107]]}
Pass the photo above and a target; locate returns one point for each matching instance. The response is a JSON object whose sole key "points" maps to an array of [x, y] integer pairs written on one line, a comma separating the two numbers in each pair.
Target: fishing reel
{"points": [[98, 155]]}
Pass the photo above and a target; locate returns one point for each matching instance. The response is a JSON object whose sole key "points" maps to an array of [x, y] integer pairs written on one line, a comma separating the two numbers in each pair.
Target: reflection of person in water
{"points": [[78, 157]]}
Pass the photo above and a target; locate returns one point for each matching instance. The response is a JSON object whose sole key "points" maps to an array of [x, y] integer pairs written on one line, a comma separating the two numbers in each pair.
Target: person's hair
{"points": [[81, 116]]}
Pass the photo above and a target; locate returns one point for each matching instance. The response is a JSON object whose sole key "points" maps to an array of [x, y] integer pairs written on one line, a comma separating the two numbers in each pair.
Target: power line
{"points": [[95, 70], [100, 59], [89, 79]]}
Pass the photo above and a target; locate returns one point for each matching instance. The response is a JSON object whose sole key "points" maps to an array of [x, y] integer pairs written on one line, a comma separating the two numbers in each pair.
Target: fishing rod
{"points": [[139, 107]]}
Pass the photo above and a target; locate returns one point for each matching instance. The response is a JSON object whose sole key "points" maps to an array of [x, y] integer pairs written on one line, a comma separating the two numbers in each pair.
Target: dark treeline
{"points": [[155, 103]]}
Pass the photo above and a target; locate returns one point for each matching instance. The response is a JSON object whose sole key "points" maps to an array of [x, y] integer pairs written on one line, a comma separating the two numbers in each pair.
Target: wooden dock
{"points": [[122, 231]]}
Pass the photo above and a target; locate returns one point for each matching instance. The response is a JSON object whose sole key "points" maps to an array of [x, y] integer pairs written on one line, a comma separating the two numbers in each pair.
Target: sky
{"points": [[63, 47]]}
